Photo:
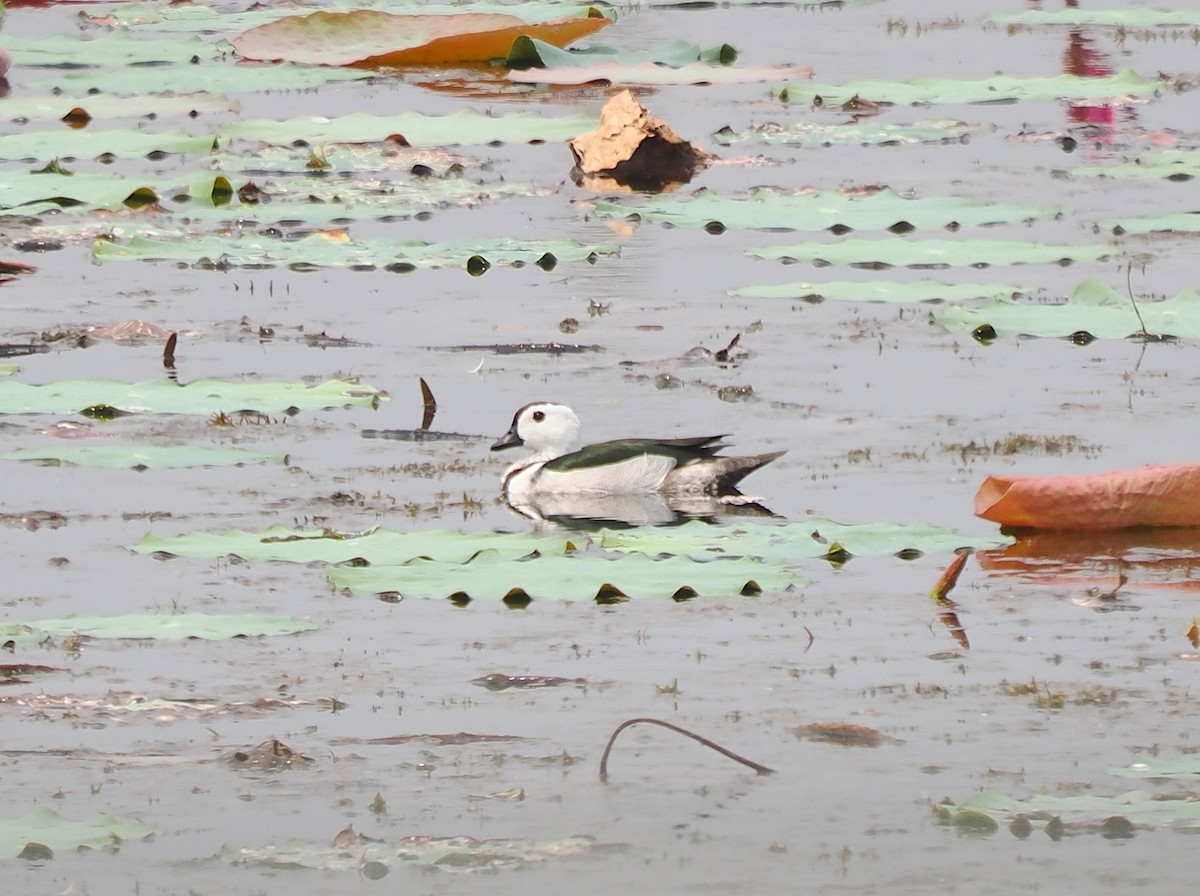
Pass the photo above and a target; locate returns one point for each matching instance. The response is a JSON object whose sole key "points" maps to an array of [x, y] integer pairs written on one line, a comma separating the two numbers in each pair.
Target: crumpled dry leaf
{"points": [[635, 150], [1120, 499], [369, 38]]}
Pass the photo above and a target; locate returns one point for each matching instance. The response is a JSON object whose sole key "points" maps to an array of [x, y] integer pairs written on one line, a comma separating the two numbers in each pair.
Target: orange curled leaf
{"points": [[369, 38], [1121, 499]]}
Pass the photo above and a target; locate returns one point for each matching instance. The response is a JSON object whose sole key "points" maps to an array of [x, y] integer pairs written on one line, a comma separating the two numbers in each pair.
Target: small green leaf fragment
{"points": [[140, 198], [517, 599], [685, 592], [36, 852], [973, 823], [103, 412], [611, 594], [53, 167], [222, 190]]}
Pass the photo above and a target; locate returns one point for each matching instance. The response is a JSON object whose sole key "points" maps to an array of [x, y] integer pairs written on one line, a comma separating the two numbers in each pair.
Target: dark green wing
{"points": [[604, 453]]}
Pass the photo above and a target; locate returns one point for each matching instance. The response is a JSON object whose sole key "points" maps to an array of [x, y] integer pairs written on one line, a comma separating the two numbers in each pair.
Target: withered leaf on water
{"points": [[845, 735], [10, 670], [949, 578], [348, 837], [271, 754], [445, 740], [633, 149], [499, 682]]}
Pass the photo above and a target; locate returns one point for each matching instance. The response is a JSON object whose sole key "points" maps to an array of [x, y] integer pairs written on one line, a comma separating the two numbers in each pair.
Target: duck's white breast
{"points": [[643, 474]]}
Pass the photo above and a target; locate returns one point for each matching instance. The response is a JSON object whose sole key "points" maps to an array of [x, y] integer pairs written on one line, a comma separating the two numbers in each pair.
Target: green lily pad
{"points": [[491, 576], [141, 627], [695, 540], [218, 77], [529, 52], [375, 859], [880, 291], [808, 538], [33, 192], [47, 827], [89, 144], [677, 62], [338, 250], [102, 107], [114, 49], [885, 253], [465, 127], [165, 396], [812, 210], [116, 456], [1094, 307], [1000, 88], [1134, 17], [1169, 222], [1081, 812], [1187, 767], [858, 133], [375, 546], [701, 73]]}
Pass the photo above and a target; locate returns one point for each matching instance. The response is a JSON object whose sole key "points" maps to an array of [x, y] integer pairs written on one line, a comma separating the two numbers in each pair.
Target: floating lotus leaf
{"points": [[89, 144], [336, 249], [649, 73], [529, 52], [932, 253], [1088, 812], [117, 456], [375, 38], [464, 127], [999, 88], [1170, 222], [106, 108], [812, 210], [60, 834], [442, 853], [207, 19], [217, 77], [880, 291], [113, 49], [165, 396], [36, 192], [859, 133], [1134, 17], [141, 627], [1170, 164], [806, 539], [536, 62], [695, 540], [490, 576], [1094, 307], [1165, 767], [376, 546]]}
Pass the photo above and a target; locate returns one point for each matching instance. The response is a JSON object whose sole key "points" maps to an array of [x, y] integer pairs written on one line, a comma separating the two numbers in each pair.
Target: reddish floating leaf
{"points": [[1121, 499], [369, 38]]}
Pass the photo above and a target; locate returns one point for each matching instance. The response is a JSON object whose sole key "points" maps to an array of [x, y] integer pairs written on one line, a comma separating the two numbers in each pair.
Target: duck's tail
{"points": [[716, 476]]}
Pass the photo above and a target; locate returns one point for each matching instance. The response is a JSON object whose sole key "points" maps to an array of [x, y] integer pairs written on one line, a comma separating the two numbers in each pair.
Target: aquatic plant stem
{"points": [[760, 769]]}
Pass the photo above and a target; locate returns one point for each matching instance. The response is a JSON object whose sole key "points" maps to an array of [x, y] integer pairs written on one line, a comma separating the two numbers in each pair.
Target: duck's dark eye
{"points": [[539, 416]]}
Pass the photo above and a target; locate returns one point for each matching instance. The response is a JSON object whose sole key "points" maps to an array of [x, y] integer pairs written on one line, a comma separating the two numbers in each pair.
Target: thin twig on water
{"points": [[760, 769]]}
